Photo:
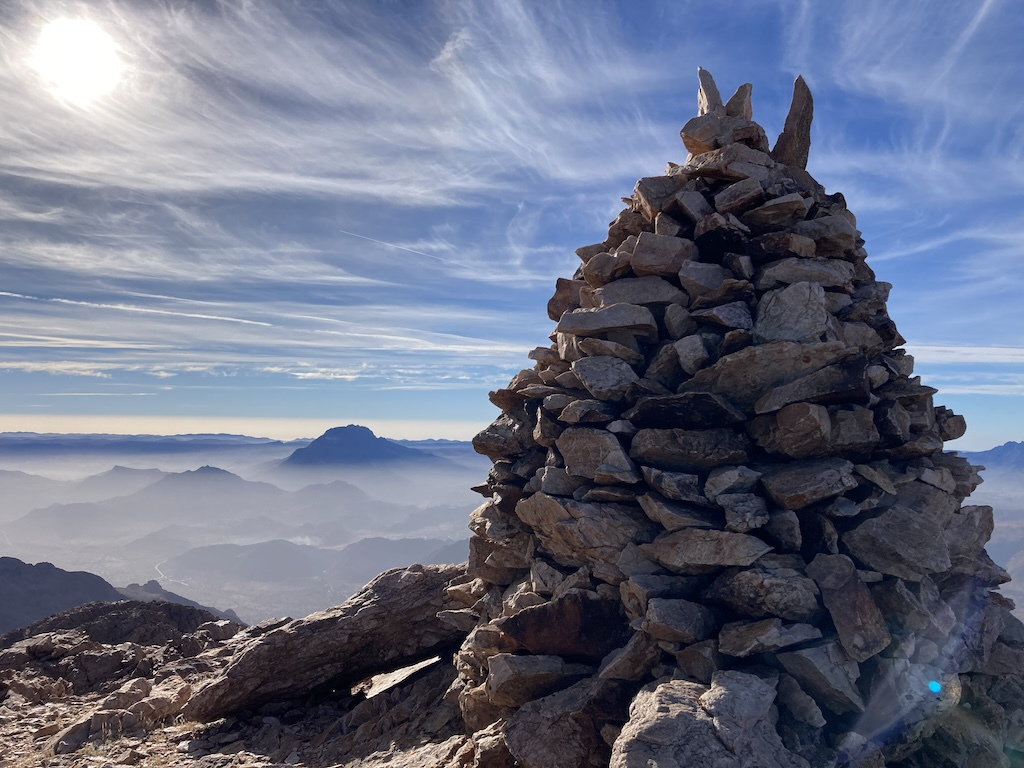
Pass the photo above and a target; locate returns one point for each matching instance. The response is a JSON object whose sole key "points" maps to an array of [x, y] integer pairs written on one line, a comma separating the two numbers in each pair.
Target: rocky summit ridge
{"points": [[720, 530]]}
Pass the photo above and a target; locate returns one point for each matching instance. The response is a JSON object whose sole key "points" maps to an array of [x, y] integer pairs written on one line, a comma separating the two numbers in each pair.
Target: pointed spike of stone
{"points": [[794, 143], [739, 103], [708, 97]]}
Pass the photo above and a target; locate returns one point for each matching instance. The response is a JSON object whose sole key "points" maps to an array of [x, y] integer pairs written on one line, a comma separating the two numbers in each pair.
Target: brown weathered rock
{"points": [[677, 486], [743, 639], [566, 298], [690, 410], [661, 255], [674, 517], [767, 589], [747, 375], [678, 621], [692, 550], [900, 542], [858, 621], [801, 483], [514, 680], [565, 728], [689, 450], [776, 214]]}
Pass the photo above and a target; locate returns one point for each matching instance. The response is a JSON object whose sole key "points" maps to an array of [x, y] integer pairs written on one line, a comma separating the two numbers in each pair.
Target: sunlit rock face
{"points": [[723, 462]]}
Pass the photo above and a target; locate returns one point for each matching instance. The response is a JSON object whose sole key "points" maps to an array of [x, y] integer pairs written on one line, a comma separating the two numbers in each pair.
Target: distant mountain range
{"points": [[356, 445], [29, 593], [1008, 456]]}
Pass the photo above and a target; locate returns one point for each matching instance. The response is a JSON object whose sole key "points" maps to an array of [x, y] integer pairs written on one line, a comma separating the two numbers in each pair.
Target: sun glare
{"points": [[78, 60]]}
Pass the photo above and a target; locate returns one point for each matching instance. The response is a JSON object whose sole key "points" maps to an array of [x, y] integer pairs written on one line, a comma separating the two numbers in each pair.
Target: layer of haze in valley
{"points": [[269, 528], [259, 526]]}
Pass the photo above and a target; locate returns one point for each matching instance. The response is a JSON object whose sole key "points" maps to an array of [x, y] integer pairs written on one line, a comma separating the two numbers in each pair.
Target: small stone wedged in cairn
{"points": [[722, 529]]}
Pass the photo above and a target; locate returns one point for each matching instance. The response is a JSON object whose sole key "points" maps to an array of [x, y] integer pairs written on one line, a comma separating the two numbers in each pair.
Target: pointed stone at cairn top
{"points": [[708, 97], [794, 143], [739, 104]]}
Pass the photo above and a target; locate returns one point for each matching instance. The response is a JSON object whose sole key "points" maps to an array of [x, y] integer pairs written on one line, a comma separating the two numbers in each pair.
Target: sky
{"points": [[271, 217]]}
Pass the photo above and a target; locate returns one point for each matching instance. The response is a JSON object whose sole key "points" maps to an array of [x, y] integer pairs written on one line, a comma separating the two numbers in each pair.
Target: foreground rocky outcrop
{"points": [[719, 530]]}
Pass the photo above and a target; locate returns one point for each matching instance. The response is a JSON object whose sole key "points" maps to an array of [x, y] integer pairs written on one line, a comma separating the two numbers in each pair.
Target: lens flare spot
{"points": [[935, 686]]}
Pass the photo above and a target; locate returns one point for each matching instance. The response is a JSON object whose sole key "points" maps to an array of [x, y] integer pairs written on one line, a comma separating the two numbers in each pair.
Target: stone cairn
{"points": [[720, 528]]}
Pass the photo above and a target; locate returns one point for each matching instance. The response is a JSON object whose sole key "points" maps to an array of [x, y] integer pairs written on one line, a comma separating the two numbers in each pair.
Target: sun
{"points": [[78, 60]]}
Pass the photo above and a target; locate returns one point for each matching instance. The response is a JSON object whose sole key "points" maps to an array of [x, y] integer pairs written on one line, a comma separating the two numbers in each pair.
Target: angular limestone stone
{"points": [[743, 511], [666, 225], [588, 412], [678, 621], [833, 236], [853, 431], [801, 706], [776, 214], [605, 377], [767, 589], [859, 622], [732, 162], [747, 638], [781, 245], [678, 486], [698, 278], [801, 483], [694, 207], [640, 290], [844, 382], [797, 431], [661, 255], [691, 352], [514, 680], [747, 375], [717, 233], [735, 314], [597, 455], [689, 450], [827, 674], [637, 590], [555, 481], [605, 267], [708, 97], [828, 273], [694, 550], [700, 134], [690, 410], [739, 197], [633, 661], [730, 480], [617, 317], [675, 517], [739, 104], [795, 313], [656, 193], [900, 542], [592, 347], [794, 143]]}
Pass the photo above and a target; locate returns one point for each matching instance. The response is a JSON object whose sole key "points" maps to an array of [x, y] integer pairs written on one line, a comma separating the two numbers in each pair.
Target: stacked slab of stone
{"points": [[720, 528]]}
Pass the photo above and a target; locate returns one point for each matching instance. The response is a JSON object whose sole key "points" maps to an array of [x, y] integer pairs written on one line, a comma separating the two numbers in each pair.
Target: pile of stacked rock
{"points": [[720, 529]]}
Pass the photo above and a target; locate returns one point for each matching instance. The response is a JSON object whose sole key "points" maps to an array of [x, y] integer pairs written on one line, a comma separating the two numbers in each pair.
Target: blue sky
{"points": [[289, 215]]}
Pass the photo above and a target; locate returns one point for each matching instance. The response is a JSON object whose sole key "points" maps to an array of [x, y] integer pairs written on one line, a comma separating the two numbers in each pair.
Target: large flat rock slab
{"points": [[391, 622]]}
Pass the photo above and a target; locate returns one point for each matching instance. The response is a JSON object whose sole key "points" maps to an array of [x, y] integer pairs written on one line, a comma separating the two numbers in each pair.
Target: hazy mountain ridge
{"points": [[136, 523]]}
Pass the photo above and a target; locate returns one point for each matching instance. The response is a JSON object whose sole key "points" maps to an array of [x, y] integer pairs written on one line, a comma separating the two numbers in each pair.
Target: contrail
{"points": [[399, 247]]}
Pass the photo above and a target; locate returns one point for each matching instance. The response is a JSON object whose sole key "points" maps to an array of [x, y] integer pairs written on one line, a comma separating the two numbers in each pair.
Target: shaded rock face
{"points": [[724, 454]]}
